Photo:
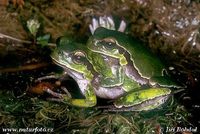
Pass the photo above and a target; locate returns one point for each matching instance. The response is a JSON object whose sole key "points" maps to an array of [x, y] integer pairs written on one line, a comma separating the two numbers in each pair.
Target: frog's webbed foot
{"points": [[58, 96], [89, 101], [106, 22]]}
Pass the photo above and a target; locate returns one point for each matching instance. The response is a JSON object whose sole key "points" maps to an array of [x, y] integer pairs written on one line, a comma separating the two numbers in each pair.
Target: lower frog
{"points": [[72, 58]]}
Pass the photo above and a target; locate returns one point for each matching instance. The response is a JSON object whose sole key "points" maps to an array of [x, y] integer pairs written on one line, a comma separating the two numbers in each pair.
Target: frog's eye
{"points": [[109, 43], [79, 57], [107, 46]]}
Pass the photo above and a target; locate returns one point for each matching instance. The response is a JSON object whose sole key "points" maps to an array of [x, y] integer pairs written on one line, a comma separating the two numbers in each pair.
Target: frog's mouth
{"points": [[74, 70], [72, 73], [61, 61], [55, 55]]}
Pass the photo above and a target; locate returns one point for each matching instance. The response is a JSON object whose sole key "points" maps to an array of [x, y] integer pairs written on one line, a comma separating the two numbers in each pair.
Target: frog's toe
{"points": [[106, 22], [122, 26], [67, 92], [94, 25]]}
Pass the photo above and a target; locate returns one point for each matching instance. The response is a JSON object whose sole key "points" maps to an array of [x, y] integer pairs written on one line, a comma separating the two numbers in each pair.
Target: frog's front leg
{"points": [[88, 101], [58, 96], [112, 73], [117, 79], [145, 99], [86, 88]]}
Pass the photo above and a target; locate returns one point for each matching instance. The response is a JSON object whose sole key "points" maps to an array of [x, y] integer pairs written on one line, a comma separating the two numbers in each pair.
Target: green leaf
{"points": [[43, 40]]}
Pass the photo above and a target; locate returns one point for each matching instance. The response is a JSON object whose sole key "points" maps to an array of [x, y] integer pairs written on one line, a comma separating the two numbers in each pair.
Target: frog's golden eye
{"points": [[108, 44], [80, 54], [79, 57]]}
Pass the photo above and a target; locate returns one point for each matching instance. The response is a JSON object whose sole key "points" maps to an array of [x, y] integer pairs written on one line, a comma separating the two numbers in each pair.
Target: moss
{"points": [[34, 112]]}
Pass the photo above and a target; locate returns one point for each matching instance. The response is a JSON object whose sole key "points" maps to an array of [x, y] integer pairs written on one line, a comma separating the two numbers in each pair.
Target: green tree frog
{"points": [[137, 61], [113, 65], [90, 69]]}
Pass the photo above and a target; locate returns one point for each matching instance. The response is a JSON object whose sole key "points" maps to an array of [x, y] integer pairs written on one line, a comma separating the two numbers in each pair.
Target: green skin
{"points": [[104, 72], [138, 62], [111, 71], [71, 57]]}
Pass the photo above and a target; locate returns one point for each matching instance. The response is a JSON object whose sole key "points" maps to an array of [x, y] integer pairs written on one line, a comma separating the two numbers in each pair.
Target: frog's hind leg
{"points": [[143, 99]]}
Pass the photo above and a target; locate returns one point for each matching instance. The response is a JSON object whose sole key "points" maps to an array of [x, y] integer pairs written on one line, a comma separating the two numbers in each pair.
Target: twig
{"points": [[14, 39], [4, 36], [23, 68]]}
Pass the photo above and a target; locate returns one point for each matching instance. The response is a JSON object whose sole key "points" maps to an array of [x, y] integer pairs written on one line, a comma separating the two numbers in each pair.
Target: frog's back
{"points": [[142, 58]]}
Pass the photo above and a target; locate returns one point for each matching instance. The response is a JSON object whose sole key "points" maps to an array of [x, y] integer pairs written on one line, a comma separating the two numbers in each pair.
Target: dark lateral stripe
{"points": [[135, 74]]}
